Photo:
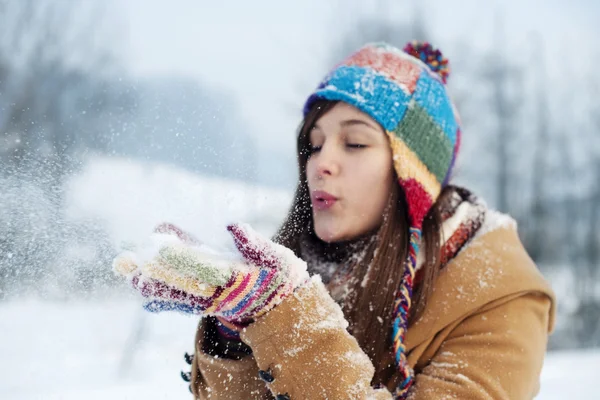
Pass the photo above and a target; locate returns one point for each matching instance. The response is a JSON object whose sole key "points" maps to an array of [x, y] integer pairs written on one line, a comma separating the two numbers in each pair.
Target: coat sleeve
{"points": [[216, 376], [496, 354], [304, 346]]}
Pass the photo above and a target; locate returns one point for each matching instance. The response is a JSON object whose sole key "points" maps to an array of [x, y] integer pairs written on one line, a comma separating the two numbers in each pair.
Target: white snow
{"points": [[495, 220], [296, 267], [53, 350], [108, 347], [68, 351], [131, 198]]}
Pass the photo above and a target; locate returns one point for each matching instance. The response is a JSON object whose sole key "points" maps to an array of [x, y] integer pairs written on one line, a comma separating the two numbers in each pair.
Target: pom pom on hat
{"points": [[431, 56]]}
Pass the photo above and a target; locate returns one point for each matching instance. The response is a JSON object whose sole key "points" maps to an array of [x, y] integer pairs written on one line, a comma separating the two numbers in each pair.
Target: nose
{"points": [[327, 161]]}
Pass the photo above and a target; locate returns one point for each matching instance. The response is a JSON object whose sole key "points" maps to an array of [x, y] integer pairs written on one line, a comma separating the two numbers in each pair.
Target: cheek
{"points": [[371, 194], [309, 171], [366, 194]]}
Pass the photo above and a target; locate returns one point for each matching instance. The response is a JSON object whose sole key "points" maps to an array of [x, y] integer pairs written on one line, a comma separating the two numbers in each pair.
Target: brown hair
{"points": [[369, 306]]}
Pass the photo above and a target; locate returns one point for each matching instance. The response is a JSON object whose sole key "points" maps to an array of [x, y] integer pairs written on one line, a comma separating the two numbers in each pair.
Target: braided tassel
{"points": [[401, 309]]}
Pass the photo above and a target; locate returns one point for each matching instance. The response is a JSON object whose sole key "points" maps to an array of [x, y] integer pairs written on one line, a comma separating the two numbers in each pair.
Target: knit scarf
{"points": [[335, 262]]}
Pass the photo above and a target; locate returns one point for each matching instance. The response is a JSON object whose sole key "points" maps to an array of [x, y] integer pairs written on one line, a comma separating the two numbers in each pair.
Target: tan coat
{"points": [[483, 336]]}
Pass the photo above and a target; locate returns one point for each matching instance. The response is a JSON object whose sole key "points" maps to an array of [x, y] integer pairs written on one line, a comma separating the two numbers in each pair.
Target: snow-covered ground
{"points": [[110, 349], [89, 350], [130, 198], [106, 347]]}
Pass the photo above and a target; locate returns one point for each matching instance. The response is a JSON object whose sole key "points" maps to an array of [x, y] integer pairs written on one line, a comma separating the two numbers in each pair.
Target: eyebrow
{"points": [[352, 122]]}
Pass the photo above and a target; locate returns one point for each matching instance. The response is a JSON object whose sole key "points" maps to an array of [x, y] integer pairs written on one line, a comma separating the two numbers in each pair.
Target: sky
{"points": [[270, 54]]}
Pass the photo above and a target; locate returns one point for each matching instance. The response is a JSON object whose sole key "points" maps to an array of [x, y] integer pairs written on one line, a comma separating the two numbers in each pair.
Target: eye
{"points": [[356, 146], [314, 149]]}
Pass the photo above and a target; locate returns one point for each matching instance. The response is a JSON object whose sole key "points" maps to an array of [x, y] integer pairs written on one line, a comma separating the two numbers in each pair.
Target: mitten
{"points": [[175, 271]]}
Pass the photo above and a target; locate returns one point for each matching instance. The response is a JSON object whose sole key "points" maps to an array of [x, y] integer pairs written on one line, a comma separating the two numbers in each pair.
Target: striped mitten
{"points": [[177, 272]]}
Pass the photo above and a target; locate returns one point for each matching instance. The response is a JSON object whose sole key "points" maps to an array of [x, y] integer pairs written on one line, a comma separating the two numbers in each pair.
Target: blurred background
{"points": [[118, 115]]}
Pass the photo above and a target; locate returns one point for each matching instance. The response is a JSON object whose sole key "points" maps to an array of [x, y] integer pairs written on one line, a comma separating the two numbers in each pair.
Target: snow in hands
{"points": [[173, 270]]}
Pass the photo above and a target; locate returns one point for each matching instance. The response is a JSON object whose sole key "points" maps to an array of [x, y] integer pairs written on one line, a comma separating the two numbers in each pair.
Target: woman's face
{"points": [[349, 174]]}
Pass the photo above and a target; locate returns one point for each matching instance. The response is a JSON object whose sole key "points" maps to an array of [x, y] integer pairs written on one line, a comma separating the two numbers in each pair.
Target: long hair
{"points": [[369, 306]]}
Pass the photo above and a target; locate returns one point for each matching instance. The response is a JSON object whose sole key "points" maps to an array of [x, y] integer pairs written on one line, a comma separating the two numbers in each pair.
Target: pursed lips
{"points": [[323, 200]]}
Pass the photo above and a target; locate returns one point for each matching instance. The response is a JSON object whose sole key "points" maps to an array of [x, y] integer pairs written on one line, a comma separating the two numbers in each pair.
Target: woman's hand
{"points": [[176, 272]]}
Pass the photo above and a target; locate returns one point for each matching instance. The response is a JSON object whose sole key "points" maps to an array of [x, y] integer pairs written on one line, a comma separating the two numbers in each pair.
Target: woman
{"points": [[414, 288]]}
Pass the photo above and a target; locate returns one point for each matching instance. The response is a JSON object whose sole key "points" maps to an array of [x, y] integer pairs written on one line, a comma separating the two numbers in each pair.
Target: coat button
{"points": [[188, 358], [283, 397], [186, 376], [266, 376]]}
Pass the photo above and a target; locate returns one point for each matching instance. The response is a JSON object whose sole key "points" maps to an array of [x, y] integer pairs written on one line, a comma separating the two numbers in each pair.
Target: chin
{"points": [[326, 235], [329, 235]]}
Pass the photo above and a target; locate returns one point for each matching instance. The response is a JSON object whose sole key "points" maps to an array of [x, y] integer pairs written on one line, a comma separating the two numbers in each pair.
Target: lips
{"points": [[322, 200]]}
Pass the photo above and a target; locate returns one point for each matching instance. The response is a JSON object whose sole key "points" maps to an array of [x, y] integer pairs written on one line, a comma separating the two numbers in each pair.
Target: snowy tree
{"points": [[51, 63], [186, 123], [588, 272], [65, 96], [381, 25], [53, 74]]}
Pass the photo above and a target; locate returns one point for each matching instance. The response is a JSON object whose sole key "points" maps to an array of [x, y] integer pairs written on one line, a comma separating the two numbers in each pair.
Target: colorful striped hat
{"points": [[405, 92]]}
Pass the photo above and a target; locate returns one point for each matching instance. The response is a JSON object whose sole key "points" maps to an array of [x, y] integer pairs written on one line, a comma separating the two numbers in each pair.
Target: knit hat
{"points": [[405, 92]]}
